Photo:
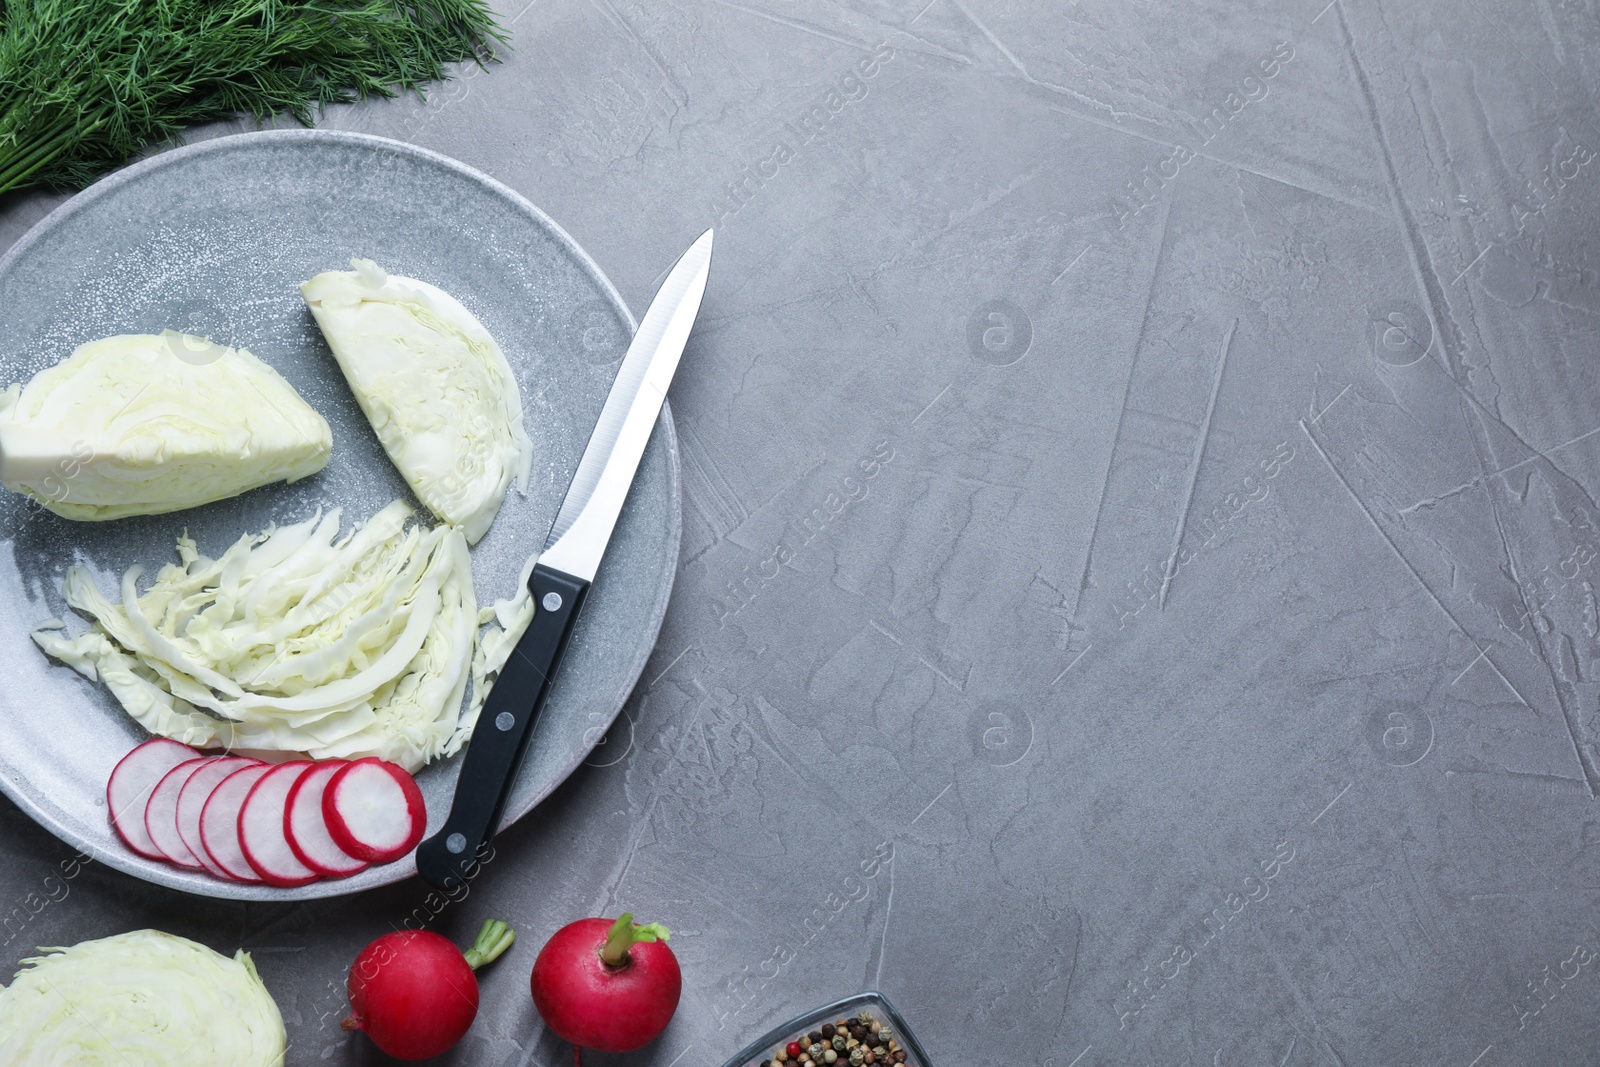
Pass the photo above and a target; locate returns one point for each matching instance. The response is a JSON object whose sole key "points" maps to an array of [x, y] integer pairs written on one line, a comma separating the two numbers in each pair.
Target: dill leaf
{"points": [[87, 84]]}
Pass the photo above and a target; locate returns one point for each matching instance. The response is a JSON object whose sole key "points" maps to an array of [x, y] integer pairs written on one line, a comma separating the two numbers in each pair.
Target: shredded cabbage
{"points": [[294, 640], [433, 383], [506, 622], [140, 999], [142, 424]]}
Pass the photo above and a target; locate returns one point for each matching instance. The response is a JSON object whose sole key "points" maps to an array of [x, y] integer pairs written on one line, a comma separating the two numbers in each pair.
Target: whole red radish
{"points": [[607, 986], [415, 993]]}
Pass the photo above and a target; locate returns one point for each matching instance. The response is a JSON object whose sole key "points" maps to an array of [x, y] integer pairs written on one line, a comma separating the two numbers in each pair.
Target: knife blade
{"points": [[565, 568]]}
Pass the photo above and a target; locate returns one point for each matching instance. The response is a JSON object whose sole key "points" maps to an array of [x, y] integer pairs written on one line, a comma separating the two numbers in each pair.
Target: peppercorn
{"points": [[857, 1041]]}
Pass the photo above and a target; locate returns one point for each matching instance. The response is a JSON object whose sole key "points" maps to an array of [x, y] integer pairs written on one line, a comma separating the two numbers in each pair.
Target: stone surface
{"points": [[1139, 473]]}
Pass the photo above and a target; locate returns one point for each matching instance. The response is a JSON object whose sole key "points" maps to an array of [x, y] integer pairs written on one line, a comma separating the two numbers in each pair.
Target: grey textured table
{"points": [[1137, 594]]}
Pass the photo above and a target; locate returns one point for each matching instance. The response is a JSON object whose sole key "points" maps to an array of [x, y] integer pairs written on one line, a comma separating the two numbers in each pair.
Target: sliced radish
{"points": [[263, 833], [219, 823], [161, 814], [374, 810], [132, 781], [308, 830], [192, 801]]}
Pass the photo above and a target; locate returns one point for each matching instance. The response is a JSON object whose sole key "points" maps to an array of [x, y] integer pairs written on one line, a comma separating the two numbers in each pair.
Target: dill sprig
{"points": [[87, 84]]}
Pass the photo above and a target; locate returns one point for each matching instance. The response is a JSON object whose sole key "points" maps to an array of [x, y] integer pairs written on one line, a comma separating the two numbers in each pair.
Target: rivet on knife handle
{"points": [[501, 735]]}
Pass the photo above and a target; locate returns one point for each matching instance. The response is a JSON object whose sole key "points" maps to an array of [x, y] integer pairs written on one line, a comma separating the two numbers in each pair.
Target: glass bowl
{"points": [[875, 1004]]}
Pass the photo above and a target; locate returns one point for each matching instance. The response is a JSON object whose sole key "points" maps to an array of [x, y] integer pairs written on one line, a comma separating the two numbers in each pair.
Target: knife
{"points": [[559, 581]]}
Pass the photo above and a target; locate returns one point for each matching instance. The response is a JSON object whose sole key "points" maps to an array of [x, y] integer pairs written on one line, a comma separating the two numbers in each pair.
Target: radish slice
{"points": [[219, 823], [263, 833], [374, 810], [161, 814], [132, 781], [192, 800], [308, 831]]}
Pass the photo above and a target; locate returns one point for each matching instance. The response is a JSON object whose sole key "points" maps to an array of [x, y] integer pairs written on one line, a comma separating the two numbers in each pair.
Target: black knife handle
{"points": [[500, 737]]}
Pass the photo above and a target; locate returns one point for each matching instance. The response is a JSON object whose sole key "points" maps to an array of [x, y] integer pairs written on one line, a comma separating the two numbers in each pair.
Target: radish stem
{"points": [[625, 934], [493, 939]]}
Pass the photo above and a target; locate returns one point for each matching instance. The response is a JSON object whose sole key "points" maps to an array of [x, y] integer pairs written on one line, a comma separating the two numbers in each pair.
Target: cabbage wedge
{"points": [[435, 386], [142, 424], [140, 999]]}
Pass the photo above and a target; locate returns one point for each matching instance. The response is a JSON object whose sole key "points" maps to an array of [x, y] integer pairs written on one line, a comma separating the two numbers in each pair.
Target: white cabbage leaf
{"points": [[142, 424], [140, 999], [294, 639], [435, 386]]}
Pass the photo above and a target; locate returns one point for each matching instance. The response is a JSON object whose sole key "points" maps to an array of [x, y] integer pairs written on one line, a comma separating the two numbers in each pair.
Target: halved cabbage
{"points": [[141, 424], [433, 383], [293, 641], [140, 999]]}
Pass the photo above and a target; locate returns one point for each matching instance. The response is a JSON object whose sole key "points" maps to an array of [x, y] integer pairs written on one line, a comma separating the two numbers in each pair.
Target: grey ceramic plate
{"points": [[213, 239]]}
